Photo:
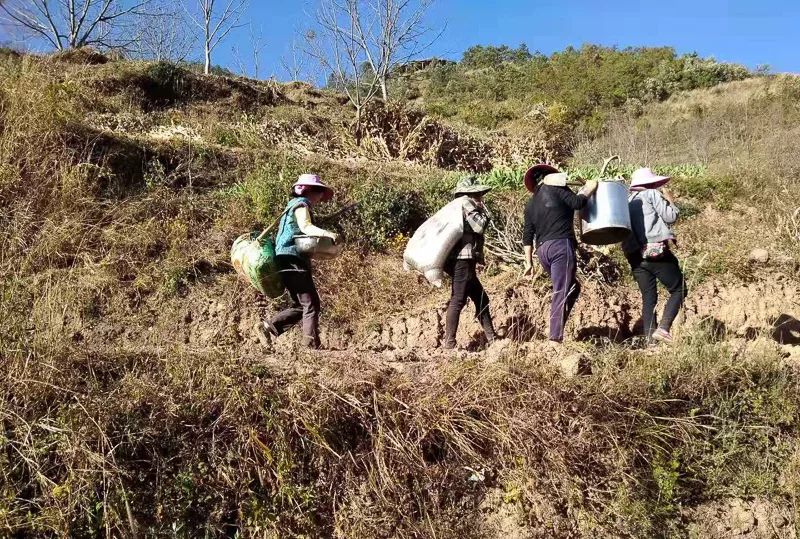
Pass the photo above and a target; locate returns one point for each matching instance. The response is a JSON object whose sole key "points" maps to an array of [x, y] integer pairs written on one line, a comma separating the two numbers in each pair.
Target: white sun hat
{"points": [[645, 177]]}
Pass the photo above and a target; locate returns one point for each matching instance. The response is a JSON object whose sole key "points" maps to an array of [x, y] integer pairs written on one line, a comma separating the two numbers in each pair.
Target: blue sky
{"points": [[751, 32]]}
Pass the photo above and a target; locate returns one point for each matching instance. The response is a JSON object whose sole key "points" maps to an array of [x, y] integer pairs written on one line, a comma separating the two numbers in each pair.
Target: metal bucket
{"points": [[606, 219], [321, 248]]}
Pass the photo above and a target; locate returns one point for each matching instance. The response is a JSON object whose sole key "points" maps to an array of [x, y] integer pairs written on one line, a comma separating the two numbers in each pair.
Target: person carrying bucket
{"points": [[463, 259], [648, 251], [295, 269], [549, 216]]}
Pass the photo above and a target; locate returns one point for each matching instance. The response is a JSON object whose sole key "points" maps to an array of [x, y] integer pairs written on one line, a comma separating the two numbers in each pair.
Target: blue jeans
{"points": [[558, 260]]}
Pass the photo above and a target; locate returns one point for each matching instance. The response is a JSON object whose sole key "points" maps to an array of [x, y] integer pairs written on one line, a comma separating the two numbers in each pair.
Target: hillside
{"points": [[500, 87], [136, 399]]}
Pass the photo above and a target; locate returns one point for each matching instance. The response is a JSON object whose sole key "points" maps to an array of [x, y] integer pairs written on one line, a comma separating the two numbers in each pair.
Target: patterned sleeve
{"points": [[475, 217]]}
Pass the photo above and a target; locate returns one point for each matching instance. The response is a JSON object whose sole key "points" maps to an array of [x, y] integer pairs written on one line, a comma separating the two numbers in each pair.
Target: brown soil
{"points": [[215, 310], [755, 519], [767, 306]]}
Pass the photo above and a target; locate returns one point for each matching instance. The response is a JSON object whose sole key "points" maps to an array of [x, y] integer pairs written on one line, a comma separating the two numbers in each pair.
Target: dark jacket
{"points": [[549, 214]]}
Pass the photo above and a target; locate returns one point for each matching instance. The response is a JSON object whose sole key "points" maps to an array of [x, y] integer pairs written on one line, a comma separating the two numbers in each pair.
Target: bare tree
{"points": [[216, 19], [359, 42], [257, 45], [399, 34], [335, 45], [294, 61], [163, 35], [69, 24]]}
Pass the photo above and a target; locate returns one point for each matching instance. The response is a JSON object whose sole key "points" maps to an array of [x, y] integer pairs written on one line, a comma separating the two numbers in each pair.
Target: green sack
{"points": [[254, 260]]}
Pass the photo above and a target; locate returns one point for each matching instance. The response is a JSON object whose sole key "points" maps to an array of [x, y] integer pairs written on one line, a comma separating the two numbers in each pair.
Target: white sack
{"points": [[428, 248]]}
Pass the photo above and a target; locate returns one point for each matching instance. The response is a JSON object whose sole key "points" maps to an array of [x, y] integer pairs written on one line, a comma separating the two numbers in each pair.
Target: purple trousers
{"points": [[558, 260]]}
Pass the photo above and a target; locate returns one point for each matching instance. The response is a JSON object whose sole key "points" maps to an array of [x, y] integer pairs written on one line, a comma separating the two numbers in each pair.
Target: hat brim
{"points": [[537, 171], [327, 192], [653, 183]]}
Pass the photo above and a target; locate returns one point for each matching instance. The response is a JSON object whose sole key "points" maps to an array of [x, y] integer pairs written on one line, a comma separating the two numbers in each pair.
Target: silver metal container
{"points": [[321, 248], [606, 219]]}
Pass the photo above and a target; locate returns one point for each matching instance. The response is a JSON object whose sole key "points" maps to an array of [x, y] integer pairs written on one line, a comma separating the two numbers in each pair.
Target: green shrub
{"points": [[490, 56], [722, 190], [265, 188], [386, 211], [510, 178], [169, 81], [225, 135], [393, 211], [504, 178], [690, 72], [492, 86]]}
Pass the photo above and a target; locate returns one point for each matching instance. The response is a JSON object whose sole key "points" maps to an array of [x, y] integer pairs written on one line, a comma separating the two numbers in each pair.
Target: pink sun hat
{"points": [[646, 178], [312, 181]]}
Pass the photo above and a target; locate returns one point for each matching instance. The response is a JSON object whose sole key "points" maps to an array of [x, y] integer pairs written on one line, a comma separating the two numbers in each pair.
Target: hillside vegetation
{"points": [[495, 87], [135, 399]]}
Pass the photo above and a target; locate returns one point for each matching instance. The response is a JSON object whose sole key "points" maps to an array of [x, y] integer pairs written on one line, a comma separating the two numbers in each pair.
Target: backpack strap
{"points": [[275, 222]]}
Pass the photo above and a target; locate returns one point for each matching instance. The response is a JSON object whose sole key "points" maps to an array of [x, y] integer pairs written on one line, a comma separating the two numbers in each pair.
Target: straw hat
{"points": [[646, 178], [312, 181], [470, 185], [536, 174]]}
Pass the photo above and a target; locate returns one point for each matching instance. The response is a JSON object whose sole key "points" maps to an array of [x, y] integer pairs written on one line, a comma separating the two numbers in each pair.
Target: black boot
{"points": [[488, 327], [450, 332]]}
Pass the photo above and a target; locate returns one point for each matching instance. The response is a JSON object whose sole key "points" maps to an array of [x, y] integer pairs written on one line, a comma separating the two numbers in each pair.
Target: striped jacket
{"points": [[476, 219]]}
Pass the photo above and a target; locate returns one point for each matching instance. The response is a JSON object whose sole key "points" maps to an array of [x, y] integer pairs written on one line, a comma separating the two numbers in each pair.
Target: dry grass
{"points": [[746, 135], [99, 440], [116, 442]]}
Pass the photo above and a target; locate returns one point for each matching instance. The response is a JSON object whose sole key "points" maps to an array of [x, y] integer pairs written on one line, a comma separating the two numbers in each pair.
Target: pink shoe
{"points": [[662, 335]]}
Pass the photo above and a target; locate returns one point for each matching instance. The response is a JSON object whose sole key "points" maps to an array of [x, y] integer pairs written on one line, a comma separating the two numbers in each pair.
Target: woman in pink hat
{"points": [[294, 268], [648, 250]]}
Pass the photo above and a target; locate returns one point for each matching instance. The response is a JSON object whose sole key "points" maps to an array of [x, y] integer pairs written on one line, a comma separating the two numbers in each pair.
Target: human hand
{"points": [[528, 270], [589, 188], [668, 195], [333, 236]]}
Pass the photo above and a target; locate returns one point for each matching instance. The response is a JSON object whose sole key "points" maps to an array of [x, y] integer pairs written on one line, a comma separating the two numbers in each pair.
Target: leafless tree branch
{"points": [[215, 21], [257, 44], [360, 42], [69, 24], [294, 61], [163, 35]]}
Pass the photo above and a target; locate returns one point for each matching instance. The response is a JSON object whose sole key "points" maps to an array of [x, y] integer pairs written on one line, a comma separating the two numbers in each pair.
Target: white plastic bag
{"points": [[428, 248]]}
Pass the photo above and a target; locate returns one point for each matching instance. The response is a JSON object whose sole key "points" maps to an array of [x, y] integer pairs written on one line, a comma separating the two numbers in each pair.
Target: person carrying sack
{"points": [[463, 259], [549, 217], [295, 269], [648, 251]]}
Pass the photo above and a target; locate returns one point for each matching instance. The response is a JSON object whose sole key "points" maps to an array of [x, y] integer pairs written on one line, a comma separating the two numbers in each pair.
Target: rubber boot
{"points": [[488, 328]]}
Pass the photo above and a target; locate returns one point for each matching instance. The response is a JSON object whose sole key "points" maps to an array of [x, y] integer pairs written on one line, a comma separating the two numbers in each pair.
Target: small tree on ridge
{"points": [[70, 24], [215, 19]]}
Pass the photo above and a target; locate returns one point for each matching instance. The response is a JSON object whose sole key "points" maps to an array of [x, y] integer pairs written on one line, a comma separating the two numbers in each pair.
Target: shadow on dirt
{"points": [[786, 329]]}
